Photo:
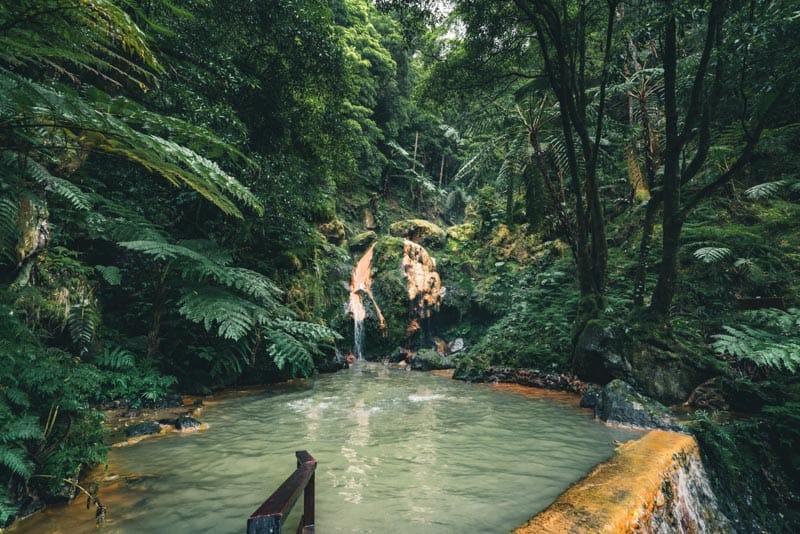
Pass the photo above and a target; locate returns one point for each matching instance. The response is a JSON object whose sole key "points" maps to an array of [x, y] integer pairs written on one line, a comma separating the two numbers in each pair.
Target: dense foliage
{"points": [[183, 186]]}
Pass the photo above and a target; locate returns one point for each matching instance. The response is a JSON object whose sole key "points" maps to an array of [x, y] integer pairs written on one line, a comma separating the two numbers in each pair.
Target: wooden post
{"points": [[269, 517]]}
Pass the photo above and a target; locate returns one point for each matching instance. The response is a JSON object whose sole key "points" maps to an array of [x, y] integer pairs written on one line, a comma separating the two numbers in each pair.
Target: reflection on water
{"points": [[397, 452]]}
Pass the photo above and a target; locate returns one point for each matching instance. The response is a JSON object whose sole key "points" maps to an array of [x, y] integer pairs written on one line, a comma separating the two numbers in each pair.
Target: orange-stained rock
{"points": [[424, 285], [654, 484]]}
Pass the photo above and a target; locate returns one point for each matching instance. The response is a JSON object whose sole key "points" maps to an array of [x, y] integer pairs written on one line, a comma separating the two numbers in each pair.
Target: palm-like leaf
{"points": [[712, 254]]}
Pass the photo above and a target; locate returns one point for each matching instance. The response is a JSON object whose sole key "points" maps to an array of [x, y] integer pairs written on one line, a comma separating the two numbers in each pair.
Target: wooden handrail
{"points": [[269, 517]]}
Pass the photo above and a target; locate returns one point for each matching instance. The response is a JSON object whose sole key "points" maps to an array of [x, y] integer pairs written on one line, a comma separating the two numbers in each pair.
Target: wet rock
{"points": [[187, 423], [26, 506], [143, 429], [329, 361], [169, 401], [467, 371], [429, 360], [419, 231], [592, 396], [399, 354], [470, 372], [621, 404]]}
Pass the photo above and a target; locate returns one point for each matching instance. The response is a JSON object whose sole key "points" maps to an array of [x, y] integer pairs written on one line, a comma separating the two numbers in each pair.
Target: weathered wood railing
{"points": [[270, 516]]}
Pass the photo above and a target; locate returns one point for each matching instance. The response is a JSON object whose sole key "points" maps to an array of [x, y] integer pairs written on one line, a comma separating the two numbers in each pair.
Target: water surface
{"points": [[398, 451]]}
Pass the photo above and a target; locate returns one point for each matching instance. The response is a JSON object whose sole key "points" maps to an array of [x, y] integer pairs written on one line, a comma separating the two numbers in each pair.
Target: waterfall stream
{"points": [[360, 285]]}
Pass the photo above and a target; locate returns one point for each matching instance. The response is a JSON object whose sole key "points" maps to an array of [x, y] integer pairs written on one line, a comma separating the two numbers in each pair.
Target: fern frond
{"points": [[765, 346], [9, 230], [16, 396], [82, 322], [62, 110], [233, 316], [28, 167], [71, 37], [311, 332], [772, 189], [115, 358], [712, 254], [21, 429], [110, 274], [288, 349], [202, 267], [15, 460]]}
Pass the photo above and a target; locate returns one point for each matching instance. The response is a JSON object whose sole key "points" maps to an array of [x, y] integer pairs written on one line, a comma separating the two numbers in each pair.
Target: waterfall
{"points": [[358, 337], [360, 285], [424, 288]]}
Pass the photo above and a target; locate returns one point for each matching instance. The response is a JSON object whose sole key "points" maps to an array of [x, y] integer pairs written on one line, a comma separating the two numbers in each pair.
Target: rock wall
{"points": [[656, 484]]}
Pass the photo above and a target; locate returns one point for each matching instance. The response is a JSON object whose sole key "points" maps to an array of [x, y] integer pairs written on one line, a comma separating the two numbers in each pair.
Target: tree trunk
{"points": [[154, 335], [510, 201], [668, 275], [640, 278]]}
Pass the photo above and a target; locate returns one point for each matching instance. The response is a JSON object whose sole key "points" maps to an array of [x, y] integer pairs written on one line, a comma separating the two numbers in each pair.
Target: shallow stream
{"points": [[398, 451]]}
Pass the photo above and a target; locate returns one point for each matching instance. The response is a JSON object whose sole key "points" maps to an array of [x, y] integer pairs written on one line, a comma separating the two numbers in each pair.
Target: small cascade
{"points": [[360, 285], [424, 285], [654, 484]]}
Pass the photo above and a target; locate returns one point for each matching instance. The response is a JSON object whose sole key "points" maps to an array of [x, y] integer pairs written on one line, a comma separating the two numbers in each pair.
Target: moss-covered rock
{"points": [[362, 241], [658, 365], [429, 360], [333, 231], [420, 231]]}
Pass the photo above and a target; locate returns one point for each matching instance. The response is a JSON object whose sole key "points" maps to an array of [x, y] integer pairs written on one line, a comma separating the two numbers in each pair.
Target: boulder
{"points": [[362, 241], [429, 360], [187, 423], [143, 429], [599, 354], [333, 231], [660, 368], [592, 396], [398, 355], [457, 345], [420, 231], [620, 404]]}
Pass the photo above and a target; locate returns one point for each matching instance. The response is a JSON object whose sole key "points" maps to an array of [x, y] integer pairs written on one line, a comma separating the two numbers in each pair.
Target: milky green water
{"points": [[398, 452]]}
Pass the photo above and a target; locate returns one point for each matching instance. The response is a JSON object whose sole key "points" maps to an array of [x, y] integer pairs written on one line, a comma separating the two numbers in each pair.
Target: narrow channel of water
{"points": [[398, 451]]}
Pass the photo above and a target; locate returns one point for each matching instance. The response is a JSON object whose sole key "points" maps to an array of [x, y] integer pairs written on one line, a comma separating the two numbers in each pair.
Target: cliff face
{"points": [[654, 484]]}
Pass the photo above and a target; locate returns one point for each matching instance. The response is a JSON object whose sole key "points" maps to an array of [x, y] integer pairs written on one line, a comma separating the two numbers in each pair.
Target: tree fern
{"points": [[110, 125], [74, 38], [206, 267]]}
